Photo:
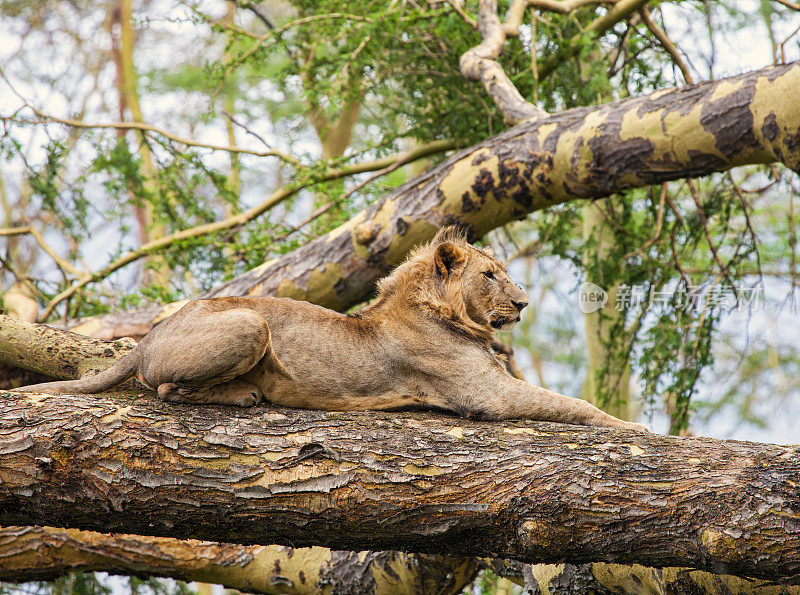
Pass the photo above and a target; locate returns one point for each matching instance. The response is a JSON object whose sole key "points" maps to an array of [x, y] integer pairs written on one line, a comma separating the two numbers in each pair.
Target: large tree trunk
{"points": [[536, 492], [580, 153]]}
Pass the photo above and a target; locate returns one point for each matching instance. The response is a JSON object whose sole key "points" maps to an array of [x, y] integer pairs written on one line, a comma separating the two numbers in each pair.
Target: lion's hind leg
{"points": [[235, 392], [199, 358]]}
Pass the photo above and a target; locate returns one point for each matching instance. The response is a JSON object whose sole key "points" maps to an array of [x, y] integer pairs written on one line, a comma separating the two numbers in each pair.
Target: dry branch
{"points": [[43, 118]]}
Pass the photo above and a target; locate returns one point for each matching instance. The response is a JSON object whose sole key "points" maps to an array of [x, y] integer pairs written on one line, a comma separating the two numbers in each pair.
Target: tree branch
{"points": [[53, 352], [572, 47], [64, 265], [45, 553], [480, 64], [144, 127], [536, 492], [667, 44], [15, 231]]}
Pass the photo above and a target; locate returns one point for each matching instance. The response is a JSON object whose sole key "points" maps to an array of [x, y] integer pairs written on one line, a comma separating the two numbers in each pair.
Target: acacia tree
{"points": [[547, 160]]}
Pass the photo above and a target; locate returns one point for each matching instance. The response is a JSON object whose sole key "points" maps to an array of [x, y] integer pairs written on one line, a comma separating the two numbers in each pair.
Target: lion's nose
{"points": [[519, 305]]}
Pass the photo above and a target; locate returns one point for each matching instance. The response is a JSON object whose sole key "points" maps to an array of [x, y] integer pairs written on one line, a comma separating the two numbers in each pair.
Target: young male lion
{"points": [[424, 343]]}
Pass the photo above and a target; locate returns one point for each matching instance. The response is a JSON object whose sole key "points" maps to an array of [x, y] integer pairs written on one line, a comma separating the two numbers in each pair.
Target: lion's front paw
{"points": [[631, 425]]}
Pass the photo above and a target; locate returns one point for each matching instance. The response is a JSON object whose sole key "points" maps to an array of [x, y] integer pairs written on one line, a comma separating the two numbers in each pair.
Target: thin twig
{"points": [[565, 6], [378, 174], [745, 209], [667, 44], [251, 7], [704, 222], [15, 231], [240, 219], [659, 222], [316, 214], [328, 206], [456, 4], [785, 41], [24, 279], [144, 127], [675, 259], [65, 266], [252, 133], [344, 73], [787, 4]]}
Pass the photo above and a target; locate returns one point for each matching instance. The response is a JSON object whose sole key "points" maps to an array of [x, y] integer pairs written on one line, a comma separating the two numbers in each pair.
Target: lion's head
{"points": [[464, 285]]}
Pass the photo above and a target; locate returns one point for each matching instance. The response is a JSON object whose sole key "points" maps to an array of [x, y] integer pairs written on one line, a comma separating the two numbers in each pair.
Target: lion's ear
{"points": [[449, 259], [487, 251]]}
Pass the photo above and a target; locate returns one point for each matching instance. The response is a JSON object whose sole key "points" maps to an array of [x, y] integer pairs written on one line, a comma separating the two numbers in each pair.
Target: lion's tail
{"points": [[122, 370]]}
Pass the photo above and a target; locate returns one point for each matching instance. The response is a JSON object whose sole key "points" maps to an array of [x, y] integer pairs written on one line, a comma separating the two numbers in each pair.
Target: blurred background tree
{"points": [[151, 150]]}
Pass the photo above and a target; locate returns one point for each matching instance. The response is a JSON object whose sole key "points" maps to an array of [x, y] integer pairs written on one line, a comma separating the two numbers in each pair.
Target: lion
{"points": [[424, 343]]}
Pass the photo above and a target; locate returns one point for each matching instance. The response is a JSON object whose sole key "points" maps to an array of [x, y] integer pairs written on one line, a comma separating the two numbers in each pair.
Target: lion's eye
{"points": [[489, 274]]}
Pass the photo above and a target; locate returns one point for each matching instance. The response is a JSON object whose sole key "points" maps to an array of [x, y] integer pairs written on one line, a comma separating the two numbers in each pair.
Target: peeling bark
{"points": [[581, 153], [45, 553], [536, 492]]}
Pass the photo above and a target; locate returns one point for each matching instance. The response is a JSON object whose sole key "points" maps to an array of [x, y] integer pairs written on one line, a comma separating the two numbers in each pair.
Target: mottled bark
{"points": [[54, 352], [45, 553], [563, 579], [581, 153], [415, 482]]}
